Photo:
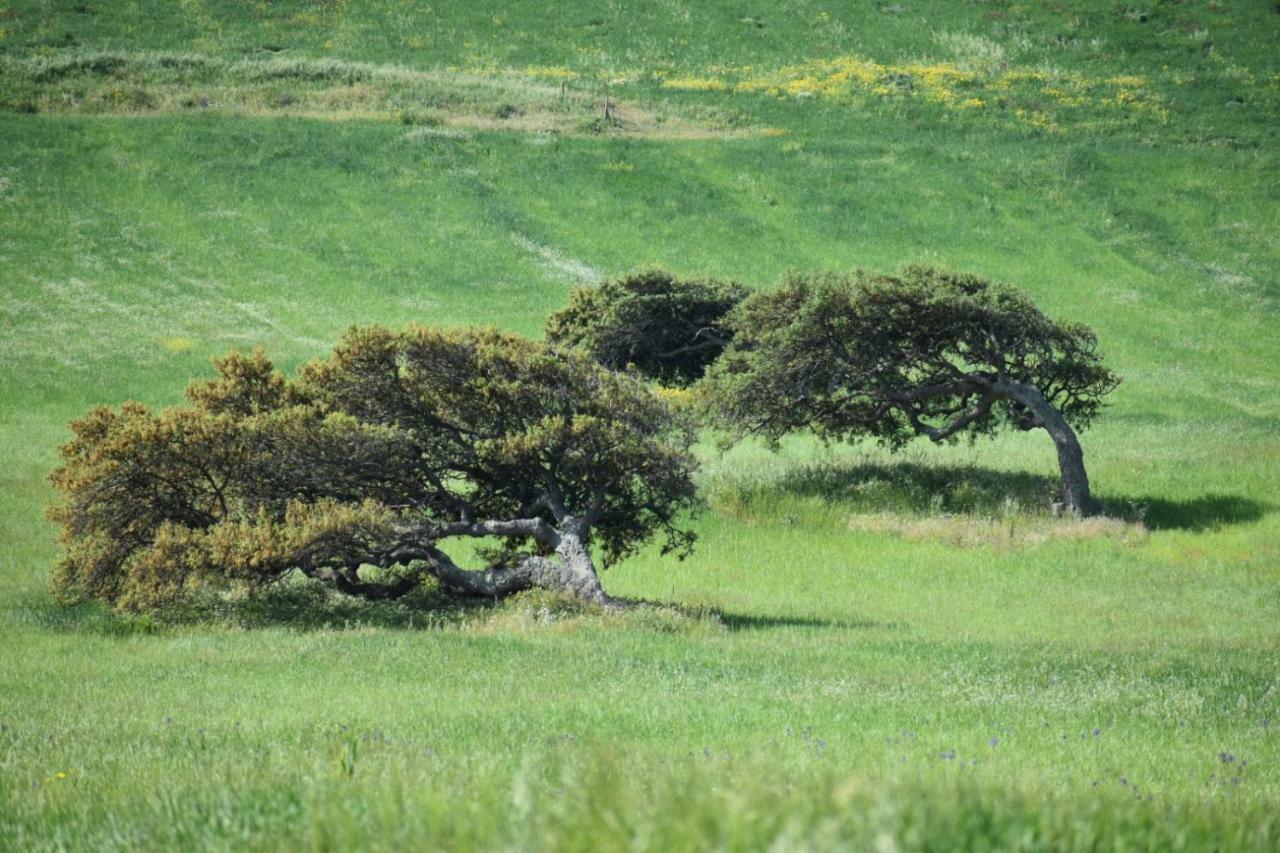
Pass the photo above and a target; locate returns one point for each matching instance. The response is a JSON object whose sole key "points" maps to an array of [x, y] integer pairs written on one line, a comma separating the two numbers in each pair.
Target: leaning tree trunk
{"points": [[1075, 480]]}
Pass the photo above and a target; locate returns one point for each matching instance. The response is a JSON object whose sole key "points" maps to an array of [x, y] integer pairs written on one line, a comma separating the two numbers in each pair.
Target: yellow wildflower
{"points": [[695, 84]]}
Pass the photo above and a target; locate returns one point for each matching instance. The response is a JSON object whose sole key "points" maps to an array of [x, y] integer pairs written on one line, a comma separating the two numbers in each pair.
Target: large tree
{"points": [[926, 352], [360, 470], [667, 328]]}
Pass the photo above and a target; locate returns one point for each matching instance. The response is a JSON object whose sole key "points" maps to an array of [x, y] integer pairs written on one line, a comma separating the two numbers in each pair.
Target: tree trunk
{"points": [[570, 570], [1075, 480], [576, 573]]}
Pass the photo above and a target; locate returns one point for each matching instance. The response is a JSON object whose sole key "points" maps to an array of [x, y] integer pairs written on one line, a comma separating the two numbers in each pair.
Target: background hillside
{"points": [[910, 649]]}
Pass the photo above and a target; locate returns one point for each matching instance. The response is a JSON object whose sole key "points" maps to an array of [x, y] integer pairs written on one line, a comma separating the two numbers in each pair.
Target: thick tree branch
{"points": [[492, 582], [942, 433], [533, 528], [709, 340]]}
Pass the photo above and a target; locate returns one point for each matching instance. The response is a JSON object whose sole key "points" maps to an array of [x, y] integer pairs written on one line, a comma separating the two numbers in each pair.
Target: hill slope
{"points": [[904, 646]]}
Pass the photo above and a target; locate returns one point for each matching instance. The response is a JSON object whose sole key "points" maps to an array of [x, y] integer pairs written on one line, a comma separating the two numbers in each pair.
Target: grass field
{"points": [[867, 651]]}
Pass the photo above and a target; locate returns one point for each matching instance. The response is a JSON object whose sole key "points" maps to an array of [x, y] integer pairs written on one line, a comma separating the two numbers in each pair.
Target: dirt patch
{"points": [[164, 84]]}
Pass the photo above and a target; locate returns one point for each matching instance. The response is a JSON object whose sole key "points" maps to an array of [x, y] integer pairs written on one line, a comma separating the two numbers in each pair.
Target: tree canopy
{"points": [[890, 357], [668, 328], [360, 469]]}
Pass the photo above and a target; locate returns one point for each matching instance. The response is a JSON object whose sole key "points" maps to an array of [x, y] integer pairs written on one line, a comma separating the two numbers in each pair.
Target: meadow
{"points": [[865, 651]]}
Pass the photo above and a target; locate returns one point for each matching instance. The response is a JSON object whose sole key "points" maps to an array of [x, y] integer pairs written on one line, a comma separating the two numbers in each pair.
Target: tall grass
{"points": [[363, 792]]}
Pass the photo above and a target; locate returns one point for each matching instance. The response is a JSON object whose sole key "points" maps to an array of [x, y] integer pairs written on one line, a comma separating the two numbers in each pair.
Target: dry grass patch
{"points": [[1011, 531], [539, 611], [157, 83]]}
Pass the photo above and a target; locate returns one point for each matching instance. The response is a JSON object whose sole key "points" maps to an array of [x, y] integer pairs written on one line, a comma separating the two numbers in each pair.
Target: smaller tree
{"points": [[360, 471], [926, 352], [667, 328]]}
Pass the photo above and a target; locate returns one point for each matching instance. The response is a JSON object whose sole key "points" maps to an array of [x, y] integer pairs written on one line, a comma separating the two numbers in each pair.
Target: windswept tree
{"points": [[926, 352], [360, 471], [669, 329]]}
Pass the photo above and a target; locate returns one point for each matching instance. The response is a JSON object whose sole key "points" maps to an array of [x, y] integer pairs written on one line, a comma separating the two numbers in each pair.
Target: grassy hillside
{"points": [[900, 652]]}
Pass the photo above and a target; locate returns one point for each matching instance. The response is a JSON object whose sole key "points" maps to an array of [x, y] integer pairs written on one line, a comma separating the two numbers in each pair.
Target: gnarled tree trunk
{"points": [[1075, 480], [569, 569], [575, 571]]}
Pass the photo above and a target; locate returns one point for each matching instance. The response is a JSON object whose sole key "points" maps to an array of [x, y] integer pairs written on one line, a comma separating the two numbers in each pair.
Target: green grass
{"points": [[866, 651]]}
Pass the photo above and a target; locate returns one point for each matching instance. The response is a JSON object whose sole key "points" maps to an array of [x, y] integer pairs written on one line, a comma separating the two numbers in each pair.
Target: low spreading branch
{"points": [[359, 471]]}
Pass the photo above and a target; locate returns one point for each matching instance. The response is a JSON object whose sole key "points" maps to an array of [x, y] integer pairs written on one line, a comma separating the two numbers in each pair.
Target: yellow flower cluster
{"points": [[676, 398], [847, 76], [1034, 97], [696, 84], [1038, 119], [946, 84]]}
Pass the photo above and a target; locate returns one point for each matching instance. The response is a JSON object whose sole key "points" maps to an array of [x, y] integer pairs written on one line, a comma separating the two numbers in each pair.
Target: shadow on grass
{"points": [[916, 488], [295, 606], [759, 622], [1203, 513], [88, 617], [305, 606]]}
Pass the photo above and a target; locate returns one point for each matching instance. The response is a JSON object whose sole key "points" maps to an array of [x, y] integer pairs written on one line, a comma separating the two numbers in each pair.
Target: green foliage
{"points": [[365, 459], [926, 352], [667, 328]]}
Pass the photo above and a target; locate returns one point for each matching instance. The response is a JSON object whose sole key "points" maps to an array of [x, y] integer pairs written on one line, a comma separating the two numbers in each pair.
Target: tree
{"points": [[667, 328], [358, 472], [927, 352]]}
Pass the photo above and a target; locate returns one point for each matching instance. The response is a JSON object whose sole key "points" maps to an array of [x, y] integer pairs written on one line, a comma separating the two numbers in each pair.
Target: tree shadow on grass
{"points": [[1206, 512], [292, 605], [88, 617], [915, 488], [305, 605], [301, 605], [758, 622]]}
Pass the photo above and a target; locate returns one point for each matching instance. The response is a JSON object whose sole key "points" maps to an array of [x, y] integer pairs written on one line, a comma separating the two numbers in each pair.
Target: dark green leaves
{"points": [[666, 328], [891, 357]]}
